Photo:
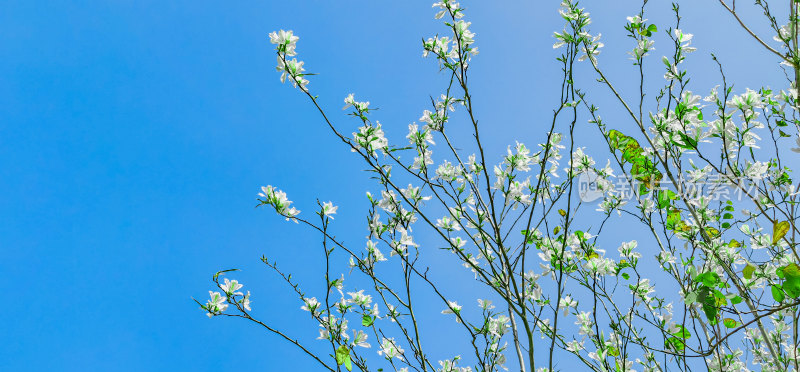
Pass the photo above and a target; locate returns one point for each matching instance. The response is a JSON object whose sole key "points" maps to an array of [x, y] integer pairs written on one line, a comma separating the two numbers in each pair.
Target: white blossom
{"points": [[390, 349], [216, 305]]}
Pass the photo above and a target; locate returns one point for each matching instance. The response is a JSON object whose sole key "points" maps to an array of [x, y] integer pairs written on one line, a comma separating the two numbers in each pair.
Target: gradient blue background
{"points": [[134, 136]]}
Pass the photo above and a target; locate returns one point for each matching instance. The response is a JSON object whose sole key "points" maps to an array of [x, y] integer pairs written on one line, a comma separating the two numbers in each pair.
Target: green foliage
{"points": [[748, 270], [642, 168], [343, 357], [791, 282], [779, 230], [777, 293], [367, 320]]}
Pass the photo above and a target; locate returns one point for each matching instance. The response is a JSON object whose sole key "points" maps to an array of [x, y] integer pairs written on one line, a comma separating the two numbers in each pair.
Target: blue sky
{"points": [[134, 136]]}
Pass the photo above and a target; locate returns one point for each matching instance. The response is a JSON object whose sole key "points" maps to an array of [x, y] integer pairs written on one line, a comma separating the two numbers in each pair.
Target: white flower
{"points": [[246, 302], [350, 101], [448, 172], [285, 40], [390, 349], [404, 242], [574, 346], [784, 34], [457, 242], [370, 138], [517, 192], [666, 257], [748, 101], [635, 19], [413, 193], [360, 339], [521, 160], [359, 298], [696, 174], [498, 326], [684, 40], [311, 305], [643, 289], [276, 198], [584, 321], [423, 159], [216, 304], [230, 287], [647, 205], [448, 224], [372, 248], [567, 302], [626, 250], [561, 37], [453, 308], [448, 5], [580, 161], [419, 138], [293, 69], [797, 140], [756, 170], [328, 209], [592, 50], [465, 35], [642, 48]]}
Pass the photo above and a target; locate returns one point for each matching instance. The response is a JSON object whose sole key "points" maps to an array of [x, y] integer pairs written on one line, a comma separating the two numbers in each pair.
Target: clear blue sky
{"points": [[134, 136]]}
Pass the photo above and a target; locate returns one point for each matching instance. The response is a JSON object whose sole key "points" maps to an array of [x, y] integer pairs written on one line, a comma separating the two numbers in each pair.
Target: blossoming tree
{"points": [[707, 179]]}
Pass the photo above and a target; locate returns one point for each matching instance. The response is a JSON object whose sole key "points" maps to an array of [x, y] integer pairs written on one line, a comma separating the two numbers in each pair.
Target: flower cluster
{"points": [[735, 269], [453, 52], [278, 200], [286, 42], [219, 301]]}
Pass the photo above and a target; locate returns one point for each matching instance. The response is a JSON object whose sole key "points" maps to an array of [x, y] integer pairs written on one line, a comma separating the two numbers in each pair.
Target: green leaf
{"points": [[712, 232], [690, 298], [779, 230], [673, 217], [626, 276], [729, 323], [736, 300], [791, 283], [792, 287], [777, 293], [664, 196], [675, 343], [649, 30], [748, 270], [791, 270], [343, 357], [709, 279], [709, 304], [367, 320], [682, 332], [719, 299]]}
